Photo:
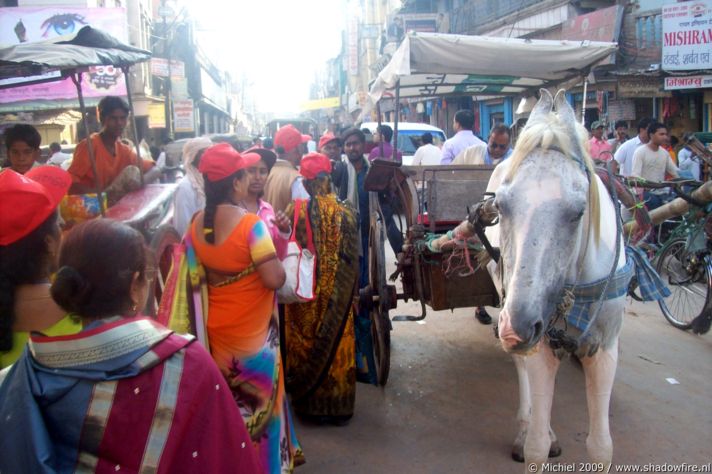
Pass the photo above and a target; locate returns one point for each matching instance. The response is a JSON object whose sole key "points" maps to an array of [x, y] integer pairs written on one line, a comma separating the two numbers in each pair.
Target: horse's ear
{"points": [[543, 106], [563, 108], [567, 115]]}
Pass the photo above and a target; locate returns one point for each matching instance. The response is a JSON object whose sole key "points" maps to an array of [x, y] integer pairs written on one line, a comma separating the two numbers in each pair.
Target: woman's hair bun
{"points": [[70, 289]]}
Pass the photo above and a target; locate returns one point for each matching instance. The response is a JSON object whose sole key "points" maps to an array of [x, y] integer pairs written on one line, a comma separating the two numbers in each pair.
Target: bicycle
{"points": [[684, 261]]}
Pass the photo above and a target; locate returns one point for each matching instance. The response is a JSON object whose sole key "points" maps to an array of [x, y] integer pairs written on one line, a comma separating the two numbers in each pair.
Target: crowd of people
{"points": [[653, 154], [81, 364], [82, 368]]}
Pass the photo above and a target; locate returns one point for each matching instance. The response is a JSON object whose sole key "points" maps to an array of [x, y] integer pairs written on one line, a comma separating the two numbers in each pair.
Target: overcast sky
{"points": [[279, 44]]}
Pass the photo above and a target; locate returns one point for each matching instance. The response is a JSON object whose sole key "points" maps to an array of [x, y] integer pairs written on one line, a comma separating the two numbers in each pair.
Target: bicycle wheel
{"points": [[689, 278]]}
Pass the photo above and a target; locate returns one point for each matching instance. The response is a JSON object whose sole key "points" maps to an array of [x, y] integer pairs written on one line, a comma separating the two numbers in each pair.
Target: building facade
{"points": [[632, 84]]}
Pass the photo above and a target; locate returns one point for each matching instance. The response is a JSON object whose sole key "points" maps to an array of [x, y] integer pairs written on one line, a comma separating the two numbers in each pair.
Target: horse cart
{"points": [[445, 278], [149, 209], [435, 199]]}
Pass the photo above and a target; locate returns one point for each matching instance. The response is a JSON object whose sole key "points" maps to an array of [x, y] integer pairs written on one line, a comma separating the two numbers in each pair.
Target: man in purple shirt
{"points": [[464, 138], [384, 134]]}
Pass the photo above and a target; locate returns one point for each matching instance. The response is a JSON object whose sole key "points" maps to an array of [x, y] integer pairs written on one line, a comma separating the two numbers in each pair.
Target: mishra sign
{"points": [[687, 36], [687, 82]]}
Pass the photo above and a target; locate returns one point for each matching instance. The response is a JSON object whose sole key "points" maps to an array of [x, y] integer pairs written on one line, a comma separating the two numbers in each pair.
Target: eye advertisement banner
{"points": [[32, 24]]}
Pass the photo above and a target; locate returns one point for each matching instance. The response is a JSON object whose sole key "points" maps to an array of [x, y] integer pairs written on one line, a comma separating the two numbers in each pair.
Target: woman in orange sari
{"points": [[243, 273]]}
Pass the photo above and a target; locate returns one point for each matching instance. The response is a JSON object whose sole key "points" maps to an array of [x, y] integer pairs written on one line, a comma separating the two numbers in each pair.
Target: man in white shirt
{"points": [[651, 161], [624, 154], [496, 150], [620, 135], [284, 183], [462, 123], [427, 154], [57, 157], [688, 162]]}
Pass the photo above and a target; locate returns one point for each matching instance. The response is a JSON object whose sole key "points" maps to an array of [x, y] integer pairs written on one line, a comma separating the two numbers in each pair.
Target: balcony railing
{"points": [[469, 18]]}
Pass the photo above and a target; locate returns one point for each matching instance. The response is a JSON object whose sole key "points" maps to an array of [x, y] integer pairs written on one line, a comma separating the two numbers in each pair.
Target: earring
{"points": [[134, 307]]}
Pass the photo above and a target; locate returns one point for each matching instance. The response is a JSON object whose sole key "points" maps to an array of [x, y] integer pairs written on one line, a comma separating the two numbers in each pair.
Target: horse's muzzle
{"points": [[512, 339]]}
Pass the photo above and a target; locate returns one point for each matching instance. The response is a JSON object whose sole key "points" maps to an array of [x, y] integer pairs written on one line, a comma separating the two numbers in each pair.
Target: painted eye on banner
{"points": [[62, 24], [104, 70]]}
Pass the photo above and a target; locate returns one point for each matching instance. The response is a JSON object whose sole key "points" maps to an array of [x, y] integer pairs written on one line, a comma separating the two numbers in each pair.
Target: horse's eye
{"points": [[577, 217]]}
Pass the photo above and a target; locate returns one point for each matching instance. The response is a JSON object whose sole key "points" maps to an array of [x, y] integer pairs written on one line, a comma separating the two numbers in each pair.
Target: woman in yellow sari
{"points": [[320, 352]]}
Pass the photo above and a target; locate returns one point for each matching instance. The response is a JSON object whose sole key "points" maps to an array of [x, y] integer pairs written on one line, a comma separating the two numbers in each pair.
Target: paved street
{"points": [[450, 403]]}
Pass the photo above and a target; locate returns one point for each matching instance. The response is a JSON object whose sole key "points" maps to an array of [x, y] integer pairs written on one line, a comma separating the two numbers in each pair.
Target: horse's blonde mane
{"points": [[549, 131]]}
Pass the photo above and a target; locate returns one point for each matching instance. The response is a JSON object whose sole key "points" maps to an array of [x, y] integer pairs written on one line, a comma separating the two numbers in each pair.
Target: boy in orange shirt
{"points": [[116, 163]]}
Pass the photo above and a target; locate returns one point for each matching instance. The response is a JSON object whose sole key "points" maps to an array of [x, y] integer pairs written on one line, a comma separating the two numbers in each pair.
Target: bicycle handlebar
{"points": [[675, 185]]}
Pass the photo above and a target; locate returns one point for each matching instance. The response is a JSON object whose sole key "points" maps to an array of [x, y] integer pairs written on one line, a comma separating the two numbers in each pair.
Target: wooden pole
{"points": [[583, 103], [132, 116], [395, 122], [378, 130], [77, 80]]}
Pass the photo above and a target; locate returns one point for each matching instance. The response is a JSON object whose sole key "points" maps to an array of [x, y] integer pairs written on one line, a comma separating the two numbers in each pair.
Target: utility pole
{"points": [[165, 11]]}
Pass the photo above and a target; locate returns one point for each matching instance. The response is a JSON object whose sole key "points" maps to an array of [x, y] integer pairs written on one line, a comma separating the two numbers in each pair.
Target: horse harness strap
{"points": [[475, 217], [579, 161], [604, 289], [581, 318]]}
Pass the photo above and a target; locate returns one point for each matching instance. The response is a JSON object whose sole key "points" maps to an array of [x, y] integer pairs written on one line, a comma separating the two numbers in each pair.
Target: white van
{"points": [[409, 136]]}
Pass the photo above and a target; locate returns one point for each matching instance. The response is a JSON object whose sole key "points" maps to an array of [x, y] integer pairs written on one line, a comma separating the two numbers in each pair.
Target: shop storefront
{"points": [[692, 102]]}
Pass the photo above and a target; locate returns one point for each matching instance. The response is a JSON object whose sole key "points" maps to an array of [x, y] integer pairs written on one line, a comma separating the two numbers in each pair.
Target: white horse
{"points": [[557, 227]]}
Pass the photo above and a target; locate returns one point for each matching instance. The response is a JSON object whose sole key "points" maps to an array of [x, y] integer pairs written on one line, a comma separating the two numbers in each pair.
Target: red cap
{"points": [[26, 201], [288, 137], [314, 164], [326, 138], [222, 160]]}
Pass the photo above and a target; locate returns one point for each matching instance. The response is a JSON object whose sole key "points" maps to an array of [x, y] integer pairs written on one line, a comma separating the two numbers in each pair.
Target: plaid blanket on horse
{"points": [[651, 287]]}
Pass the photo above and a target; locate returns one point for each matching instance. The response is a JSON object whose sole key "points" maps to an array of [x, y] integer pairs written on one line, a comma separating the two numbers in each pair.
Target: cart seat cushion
{"points": [[136, 206]]}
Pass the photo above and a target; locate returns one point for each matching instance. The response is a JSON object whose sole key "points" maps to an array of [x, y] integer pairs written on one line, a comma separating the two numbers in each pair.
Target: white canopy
{"points": [[434, 64]]}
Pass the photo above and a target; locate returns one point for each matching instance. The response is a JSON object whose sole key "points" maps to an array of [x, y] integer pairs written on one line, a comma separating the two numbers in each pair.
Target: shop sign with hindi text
{"points": [[688, 82], [687, 36]]}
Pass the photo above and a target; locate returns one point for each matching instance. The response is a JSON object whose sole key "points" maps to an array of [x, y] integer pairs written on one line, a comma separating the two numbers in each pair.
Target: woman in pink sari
{"points": [[125, 394]]}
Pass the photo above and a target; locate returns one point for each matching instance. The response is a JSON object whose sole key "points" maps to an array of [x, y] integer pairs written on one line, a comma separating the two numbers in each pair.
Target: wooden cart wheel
{"points": [[380, 322], [162, 246]]}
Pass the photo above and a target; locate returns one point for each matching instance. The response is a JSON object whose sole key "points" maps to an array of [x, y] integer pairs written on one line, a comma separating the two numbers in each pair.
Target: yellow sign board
{"points": [[156, 115], [327, 103]]}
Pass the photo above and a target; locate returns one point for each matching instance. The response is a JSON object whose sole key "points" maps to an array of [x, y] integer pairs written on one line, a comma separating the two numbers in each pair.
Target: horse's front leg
{"points": [[600, 372], [525, 407], [541, 368]]}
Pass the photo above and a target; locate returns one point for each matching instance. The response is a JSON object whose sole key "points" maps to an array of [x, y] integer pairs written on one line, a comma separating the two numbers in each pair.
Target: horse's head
{"points": [[542, 202]]}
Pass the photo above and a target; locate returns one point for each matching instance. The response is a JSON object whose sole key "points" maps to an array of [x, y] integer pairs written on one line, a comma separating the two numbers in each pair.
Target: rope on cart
{"points": [[461, 260]]}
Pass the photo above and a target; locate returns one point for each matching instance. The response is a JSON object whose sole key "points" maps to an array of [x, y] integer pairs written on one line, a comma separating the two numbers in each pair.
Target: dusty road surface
{"points": [[450, 403]]}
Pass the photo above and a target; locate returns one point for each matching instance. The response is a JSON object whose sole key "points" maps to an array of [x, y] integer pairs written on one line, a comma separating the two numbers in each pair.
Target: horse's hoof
{"points": [[518, 453]]}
